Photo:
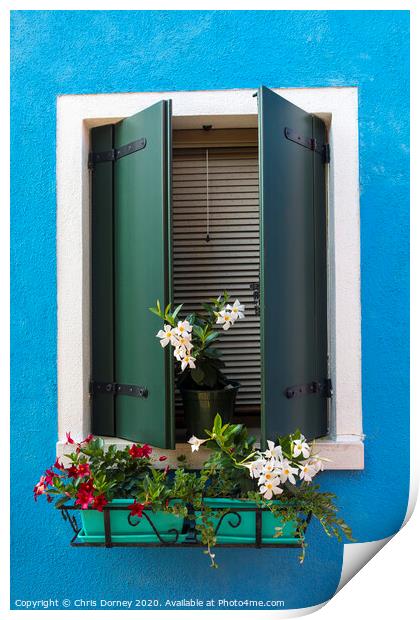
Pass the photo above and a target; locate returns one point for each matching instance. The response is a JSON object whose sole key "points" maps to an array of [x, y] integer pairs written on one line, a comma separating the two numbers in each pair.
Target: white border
{"points": [[76, 114]]}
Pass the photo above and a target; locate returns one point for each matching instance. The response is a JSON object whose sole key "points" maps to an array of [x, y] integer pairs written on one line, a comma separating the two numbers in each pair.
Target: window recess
{"points": [[139, 248]]}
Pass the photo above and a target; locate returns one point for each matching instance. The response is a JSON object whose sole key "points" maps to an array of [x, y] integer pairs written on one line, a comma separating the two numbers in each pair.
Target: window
{"points": [[271, 276]]}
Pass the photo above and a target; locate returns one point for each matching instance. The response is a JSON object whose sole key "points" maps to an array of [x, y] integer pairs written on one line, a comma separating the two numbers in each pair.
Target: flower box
{"points": [[236, 522], [152, 527], [186, 508]]}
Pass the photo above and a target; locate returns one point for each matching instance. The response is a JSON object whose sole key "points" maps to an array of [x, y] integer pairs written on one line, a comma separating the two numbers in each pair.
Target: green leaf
{"points": [[211, 337], [213, 353], [217, 424], [176, 311], [210, 378], [61, 501], [198, 331], [191, 318], [198, 375], [157, 312]]}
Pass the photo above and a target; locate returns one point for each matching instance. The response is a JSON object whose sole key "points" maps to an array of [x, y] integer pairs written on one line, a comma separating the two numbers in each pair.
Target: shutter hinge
{"points": [[118, 389], [324, 388], [114, 154], [309, 143]]}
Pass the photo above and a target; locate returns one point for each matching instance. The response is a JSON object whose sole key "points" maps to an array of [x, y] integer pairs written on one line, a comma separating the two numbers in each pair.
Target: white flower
{"points": [[166, 335], [271, 466], [306, 471], [237, 310], [225, 318], [273, 451], [268, 476], [196, 443], [301, 447], [183, 328], [287, 472], [316, 464], [187, 360], [271, 488], [184, 342], [255, 467], [179, 353]]}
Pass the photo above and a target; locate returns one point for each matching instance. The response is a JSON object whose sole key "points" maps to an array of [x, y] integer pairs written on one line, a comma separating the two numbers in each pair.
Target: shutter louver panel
{"points": [[230, 260]]}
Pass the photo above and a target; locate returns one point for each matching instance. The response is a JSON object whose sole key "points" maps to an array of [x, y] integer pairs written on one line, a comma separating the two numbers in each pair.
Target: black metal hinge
{"points": [[309, 143], [114, 154], [324, 388], [118, 389]]}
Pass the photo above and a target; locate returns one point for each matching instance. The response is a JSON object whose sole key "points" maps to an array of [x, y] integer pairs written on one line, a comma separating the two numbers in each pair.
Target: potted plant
{"points": [[149, 504], [204, 388]]}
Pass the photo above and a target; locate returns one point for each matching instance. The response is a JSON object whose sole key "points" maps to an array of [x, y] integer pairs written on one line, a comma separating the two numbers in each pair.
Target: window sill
{"points": [[344, 452]]}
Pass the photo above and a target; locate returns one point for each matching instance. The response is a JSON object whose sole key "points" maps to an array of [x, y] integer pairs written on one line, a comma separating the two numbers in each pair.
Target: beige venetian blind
{"points": [[215, 193]]}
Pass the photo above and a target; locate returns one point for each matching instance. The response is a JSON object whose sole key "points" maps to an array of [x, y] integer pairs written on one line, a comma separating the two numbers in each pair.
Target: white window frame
{"points": [[77, 114]]}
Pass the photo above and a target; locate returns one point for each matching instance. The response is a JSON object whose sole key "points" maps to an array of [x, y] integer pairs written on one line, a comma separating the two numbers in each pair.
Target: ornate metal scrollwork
{"points": [[172, 531], [230, 513]]}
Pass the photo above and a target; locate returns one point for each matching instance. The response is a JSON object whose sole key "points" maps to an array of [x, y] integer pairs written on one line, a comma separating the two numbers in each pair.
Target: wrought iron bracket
{"points": [[118, 389], [114, 154], [309, 143], [324, 388]]}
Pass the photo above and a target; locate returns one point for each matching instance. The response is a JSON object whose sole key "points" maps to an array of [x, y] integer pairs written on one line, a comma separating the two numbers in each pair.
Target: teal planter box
{"points": [[235, 522], [168, 526], [239, 526]]}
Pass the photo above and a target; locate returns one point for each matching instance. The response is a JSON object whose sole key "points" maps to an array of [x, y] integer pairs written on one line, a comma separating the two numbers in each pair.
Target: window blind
{"points": [[216, 248]]}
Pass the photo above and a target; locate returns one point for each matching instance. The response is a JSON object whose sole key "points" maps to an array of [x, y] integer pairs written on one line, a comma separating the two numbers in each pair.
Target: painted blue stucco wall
{"points": [[56, 53]]}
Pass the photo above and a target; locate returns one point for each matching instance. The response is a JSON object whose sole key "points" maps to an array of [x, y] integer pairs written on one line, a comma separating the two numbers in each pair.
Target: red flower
{"points": [[166, 470], [83, 470], [69, 439], [79, 471], [137, 509], [58, 465], [99, 502], [147, 450], [49, 499], [73, 472], [49, 475], [40, 487], [135, 451], [88, 439], [163, 458], [138, 452], [85, 494]]}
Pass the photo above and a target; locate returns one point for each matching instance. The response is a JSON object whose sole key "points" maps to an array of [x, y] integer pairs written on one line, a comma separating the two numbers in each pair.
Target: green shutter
{"points": [[142, 274], [293, 269]]}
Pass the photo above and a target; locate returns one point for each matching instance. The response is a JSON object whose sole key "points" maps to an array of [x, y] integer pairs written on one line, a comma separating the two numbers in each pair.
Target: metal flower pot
{"points": [[201, 406]]}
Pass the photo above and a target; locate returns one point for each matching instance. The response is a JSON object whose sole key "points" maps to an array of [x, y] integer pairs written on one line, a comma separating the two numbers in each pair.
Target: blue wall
{"points": [[56, 53]]}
